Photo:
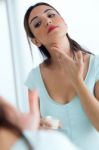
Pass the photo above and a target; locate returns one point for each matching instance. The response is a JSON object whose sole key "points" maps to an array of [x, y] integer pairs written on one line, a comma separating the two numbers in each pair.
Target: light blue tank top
{"points": [[75, 123]]}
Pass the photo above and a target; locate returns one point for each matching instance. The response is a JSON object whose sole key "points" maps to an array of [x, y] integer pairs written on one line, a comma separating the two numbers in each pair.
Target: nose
{"points": [[47, 21]]}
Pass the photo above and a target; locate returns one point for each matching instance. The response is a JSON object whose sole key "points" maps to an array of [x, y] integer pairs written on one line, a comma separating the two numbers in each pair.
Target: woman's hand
{"points": [[31, 120], [74, 69], [49, 123]]}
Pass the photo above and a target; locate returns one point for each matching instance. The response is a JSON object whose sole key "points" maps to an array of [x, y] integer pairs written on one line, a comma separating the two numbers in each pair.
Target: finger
{"points": [[79, 57], [62, 57], [34, 101], [34, 109], [45, 122], [56, 51], [59, 53]]}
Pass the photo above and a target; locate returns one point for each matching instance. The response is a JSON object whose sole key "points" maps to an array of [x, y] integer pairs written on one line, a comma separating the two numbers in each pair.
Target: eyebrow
{"points": [[37, 16]]}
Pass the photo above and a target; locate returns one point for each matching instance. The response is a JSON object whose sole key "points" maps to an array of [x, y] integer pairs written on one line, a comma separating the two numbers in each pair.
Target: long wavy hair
{"points": [[6, 124], [74, 46]]}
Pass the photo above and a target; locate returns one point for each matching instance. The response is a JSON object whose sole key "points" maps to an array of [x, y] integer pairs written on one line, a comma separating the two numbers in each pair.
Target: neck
{"points": [[7, 139], [64, 47]]}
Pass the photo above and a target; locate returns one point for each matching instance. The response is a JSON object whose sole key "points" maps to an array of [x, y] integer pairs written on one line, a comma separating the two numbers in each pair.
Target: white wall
{"points": [[7, 88], [11, 61]]}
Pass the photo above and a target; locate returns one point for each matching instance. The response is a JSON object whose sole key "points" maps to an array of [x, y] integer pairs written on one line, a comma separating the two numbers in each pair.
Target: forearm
{"points": [[89, 103]]}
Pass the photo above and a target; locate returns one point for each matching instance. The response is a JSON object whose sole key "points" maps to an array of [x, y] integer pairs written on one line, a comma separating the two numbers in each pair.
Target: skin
{"points": [[7, 137], [72, 72], [28, 121]]}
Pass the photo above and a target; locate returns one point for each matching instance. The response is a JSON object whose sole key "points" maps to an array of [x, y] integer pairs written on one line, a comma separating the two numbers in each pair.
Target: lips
{"points": [[51, 28]]}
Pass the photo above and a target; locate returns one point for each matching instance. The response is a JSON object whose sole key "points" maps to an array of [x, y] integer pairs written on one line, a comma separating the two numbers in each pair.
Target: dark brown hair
{"points": [[6, 124], [74, 46]]}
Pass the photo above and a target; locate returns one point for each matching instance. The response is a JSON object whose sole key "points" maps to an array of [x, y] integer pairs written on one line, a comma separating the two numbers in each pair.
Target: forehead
{"points": [[38, 11]]}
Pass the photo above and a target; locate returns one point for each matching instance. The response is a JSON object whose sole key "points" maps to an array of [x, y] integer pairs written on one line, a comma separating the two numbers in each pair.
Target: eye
{"points": [[51, 15], [37, 24]]}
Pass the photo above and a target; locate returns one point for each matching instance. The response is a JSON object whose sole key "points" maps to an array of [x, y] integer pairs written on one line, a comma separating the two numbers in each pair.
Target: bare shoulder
{"points": [[96, 90], [96, 87], [86, 58]]}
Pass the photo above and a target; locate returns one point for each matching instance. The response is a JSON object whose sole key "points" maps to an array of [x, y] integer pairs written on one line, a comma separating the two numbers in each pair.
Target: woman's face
{"points": [[46, 25]]}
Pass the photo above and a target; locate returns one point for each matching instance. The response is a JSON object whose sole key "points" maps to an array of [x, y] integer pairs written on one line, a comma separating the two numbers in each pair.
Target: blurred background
{"points": [[82, 17]]}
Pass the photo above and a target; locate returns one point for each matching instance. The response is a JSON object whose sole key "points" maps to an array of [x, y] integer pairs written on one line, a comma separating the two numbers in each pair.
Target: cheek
{"points": [[62, 23], [39, 33], [58, 20]]}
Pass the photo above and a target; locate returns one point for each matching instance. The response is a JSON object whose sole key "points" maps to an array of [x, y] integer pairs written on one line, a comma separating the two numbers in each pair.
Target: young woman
{"points": [[67, 80]]}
